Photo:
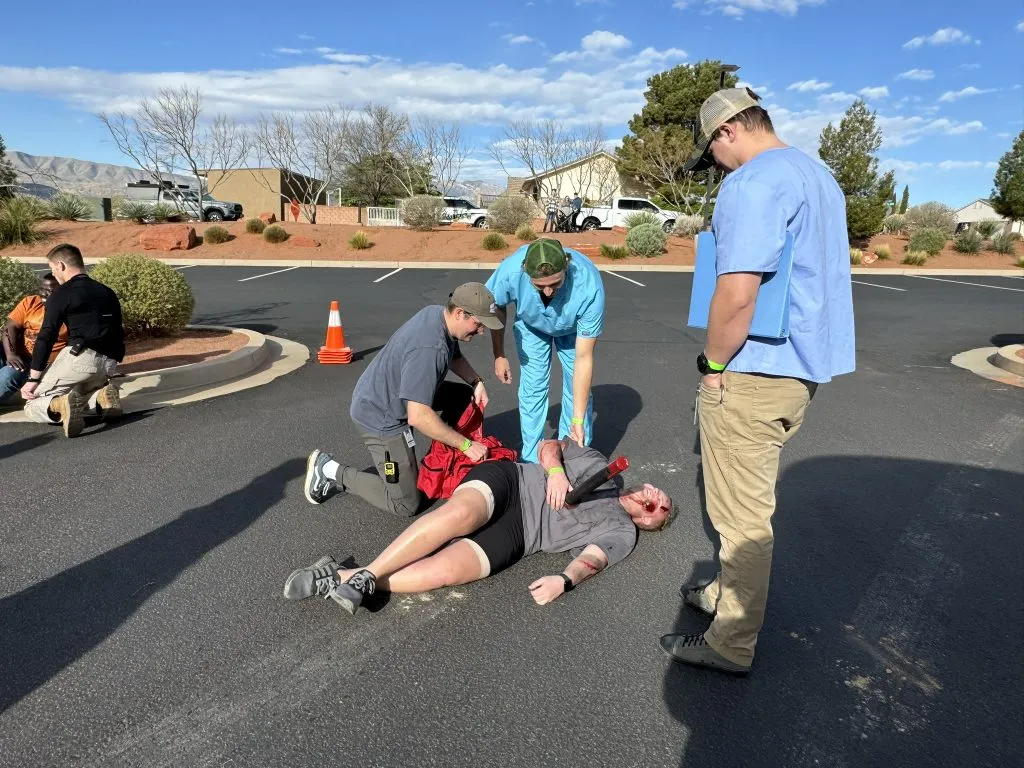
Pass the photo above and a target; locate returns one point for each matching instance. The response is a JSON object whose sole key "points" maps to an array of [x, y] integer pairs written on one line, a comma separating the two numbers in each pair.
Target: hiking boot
{"points": [[694, 649], [693, 595], [349, 594], [318, 486], [109, 402], [318, 579], [71, 410]]}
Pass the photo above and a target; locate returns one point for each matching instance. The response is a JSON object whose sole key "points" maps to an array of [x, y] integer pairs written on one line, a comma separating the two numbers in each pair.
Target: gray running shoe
{"points": [[349, 594], [318, 486], [694, 649], [694, 596], [318, 579]]}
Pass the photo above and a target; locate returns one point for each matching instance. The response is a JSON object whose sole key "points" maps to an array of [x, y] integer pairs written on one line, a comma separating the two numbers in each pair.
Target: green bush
{"points": [[423, 212], [640, 218], [895, 224], [162, 212], [1020, 261], [67, 207], [614, 252], [526, 233], [255, 226], [1001, 244], [359, 241], [134, 210], [507, 214], [856, 256], [1015, 237], [16, 282], [216, 235], [494, 242], [19, 216], [156, 300], [915, 258], [968, 241], [931, 241], [988, 227], [275, 233], [646, 240], [688, 225], [883, 252], [932, 216]]}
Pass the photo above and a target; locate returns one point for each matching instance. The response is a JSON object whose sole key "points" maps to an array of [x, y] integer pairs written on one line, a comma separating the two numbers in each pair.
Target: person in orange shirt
{"points": [[19, 339]]}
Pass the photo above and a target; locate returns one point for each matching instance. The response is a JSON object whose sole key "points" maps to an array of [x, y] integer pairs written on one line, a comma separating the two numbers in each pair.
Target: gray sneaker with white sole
{"points": [[320, 578], [318, 487], [349, 594]]}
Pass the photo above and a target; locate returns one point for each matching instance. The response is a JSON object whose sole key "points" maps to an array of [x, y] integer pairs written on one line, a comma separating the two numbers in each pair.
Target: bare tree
{"points": [[376, 161], [442, 149], [655, 160], [311, 152], [135, 139]]}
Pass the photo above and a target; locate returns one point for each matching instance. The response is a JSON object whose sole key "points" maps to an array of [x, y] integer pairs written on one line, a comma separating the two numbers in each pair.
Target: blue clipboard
{"points": [[771, 311]]}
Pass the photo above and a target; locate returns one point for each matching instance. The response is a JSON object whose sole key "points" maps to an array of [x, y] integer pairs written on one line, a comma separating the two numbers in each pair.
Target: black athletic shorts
{"points": [[501, 538]]}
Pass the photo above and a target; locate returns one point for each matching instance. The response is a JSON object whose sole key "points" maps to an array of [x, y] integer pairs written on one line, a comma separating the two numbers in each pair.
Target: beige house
{"points": [[982, 210], [262, 190], [595, 178]]}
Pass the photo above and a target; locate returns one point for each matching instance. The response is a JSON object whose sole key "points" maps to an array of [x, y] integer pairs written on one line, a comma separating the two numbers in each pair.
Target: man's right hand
{"points": [[503, 370], [477, 452], [558, 488]]}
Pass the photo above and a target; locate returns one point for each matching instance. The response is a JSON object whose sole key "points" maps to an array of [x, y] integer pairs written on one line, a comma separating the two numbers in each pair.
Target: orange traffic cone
{"points": [[334, 351]]}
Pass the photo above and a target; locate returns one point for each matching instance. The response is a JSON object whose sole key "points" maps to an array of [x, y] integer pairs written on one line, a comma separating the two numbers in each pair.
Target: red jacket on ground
{"points": [[443, 467]]}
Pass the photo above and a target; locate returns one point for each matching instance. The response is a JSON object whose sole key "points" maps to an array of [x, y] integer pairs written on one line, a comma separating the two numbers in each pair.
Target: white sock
{"points": [[331, 470]]}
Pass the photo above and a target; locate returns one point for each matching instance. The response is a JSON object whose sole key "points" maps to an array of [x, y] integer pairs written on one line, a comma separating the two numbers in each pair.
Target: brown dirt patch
{"points": [[99, 239], [191, 346]]}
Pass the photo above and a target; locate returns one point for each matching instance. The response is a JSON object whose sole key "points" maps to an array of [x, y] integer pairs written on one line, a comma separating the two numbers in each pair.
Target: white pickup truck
{"points": [[615, 215], [460, 209]]}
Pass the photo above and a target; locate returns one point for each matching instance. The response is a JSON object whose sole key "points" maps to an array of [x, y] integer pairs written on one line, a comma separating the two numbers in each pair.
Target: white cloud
{"points": [[944, 36], [1020, 27], [739, 7], [306, 37], [761, 90], [598, 44], [808, 85], [289, 51], [323, 50], [875, 92], [964, 92], [906, 169], [838, 97], [348, 58], [970, 66], [1003, 135], [956, 165], [901, 131], [518, 39], [916, 74], [680, 4], [732, 10]]}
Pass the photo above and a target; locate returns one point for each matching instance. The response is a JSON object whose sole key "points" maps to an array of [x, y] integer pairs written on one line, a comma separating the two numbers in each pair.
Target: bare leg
{"points": [[458, 563]]}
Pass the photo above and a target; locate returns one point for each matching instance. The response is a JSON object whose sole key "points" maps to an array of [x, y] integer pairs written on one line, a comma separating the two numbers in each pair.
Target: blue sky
{"points": [[947, 86]]}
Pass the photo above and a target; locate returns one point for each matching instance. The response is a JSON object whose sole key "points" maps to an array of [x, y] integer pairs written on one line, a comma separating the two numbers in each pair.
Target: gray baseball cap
{"points": [[720, 107], [475, 299]]}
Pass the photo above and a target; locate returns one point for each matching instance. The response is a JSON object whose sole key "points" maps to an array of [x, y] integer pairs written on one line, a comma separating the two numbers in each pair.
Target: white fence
{"points": [[384, 217]]}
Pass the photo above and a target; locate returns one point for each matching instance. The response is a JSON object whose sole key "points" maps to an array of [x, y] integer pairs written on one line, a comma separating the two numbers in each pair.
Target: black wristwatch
{"points": [[33, 381], [704, 366], [568, 583], [477, 380]]}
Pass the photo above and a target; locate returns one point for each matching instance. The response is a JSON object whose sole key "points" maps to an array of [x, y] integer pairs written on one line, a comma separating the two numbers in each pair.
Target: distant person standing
{"points": [[19, 339], [754, 392], [551, 219], [79, 378]]}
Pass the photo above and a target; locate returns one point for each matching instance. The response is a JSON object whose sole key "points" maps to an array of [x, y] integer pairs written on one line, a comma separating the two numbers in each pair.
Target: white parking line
{"points": [[876, 285], [962, 282], [389, 274], [44, 269], [268, 274], [187, 266], [623, 277]]}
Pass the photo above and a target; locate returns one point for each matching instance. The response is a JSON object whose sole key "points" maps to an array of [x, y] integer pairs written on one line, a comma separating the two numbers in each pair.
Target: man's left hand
{"points": [[577, 434], [29, 390], [480, 396], [547, 588], [712, 381]]}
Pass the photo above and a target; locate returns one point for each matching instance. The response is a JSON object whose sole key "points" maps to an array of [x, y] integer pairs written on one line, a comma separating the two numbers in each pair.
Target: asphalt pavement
{"points": [[141, 565]]}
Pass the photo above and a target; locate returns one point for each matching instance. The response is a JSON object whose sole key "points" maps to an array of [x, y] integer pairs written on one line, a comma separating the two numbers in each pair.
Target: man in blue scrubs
{"points": [[559, 300]]}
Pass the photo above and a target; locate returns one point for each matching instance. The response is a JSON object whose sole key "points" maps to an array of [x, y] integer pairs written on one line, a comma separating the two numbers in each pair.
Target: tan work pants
{"points": [[88, 373]]}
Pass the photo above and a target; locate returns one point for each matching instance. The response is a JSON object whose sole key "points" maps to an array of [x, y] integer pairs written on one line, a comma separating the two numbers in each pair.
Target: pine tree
{"points": [[905, 202], [1008, 185], [8, 176]]}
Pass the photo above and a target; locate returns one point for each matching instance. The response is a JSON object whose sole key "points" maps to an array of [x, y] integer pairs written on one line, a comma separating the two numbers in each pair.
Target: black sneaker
{"points": [[694, 649], [318, 579], [693, 595], [318, 486], [349, 594]]}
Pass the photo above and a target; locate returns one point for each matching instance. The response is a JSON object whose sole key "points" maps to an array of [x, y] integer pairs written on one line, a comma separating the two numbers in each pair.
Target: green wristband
{"points": [[556, 471], [575, 420], [466, 445], [716, 367]]}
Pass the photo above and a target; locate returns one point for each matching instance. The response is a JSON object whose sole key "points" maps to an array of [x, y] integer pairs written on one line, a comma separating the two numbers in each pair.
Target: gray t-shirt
{"points": [[411, 366], [599, 520]]}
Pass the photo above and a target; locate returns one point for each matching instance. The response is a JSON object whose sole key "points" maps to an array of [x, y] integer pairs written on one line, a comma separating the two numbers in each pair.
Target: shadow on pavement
{"points": [[1006, 339], [250, 318], [52, 624], [895, 610], [25, 444]]}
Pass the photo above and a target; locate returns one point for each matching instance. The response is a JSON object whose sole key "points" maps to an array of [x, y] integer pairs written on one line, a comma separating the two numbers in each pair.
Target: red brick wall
{"points": [[336, 214]]}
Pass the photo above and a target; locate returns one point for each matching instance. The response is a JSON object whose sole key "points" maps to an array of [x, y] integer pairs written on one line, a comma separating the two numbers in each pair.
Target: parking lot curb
{"points": [[980, 361]]}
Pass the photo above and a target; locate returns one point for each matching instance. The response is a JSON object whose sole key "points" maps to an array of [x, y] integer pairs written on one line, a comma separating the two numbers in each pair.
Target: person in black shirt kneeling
{"points": [[78, 380]]}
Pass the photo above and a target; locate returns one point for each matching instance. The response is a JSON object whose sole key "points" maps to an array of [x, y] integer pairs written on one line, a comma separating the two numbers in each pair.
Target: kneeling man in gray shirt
{"points": [[502, 512], [404, 387]]}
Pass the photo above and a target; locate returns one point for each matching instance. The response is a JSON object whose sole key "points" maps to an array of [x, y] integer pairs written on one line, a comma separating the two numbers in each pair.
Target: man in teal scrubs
{"points": [[559, 300]]}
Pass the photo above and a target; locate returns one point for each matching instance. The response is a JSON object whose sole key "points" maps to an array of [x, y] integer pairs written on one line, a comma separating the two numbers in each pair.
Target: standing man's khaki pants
{"points": [[743, 427], [88, 373]]}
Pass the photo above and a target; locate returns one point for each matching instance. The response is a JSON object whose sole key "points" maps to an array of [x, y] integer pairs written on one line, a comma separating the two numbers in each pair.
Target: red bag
{"points": [[443, 468]]}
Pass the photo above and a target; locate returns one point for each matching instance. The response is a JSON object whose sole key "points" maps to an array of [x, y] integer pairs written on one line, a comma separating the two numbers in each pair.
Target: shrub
{"points": [[1002, 244], [16, 282], [68, 207], [162, 212], [155, 299], [883, 252], [646, 240], [216, 235], [255, 226], [507, 214], [1020, 261], [275, 233], [614, 252], [359, 241], [915, 258], [423, 212], [931, 241], [133, 210], [895, 224], [688, 225], [988, 227], [526, 233], [18, 219], [640, 218], [494, 242], [856, 256], [968, 241], [932, 216], [1016, 237]]}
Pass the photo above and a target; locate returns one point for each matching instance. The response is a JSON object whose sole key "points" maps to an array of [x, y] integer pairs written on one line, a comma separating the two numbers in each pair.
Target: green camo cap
{"points": [[545, 257]]}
